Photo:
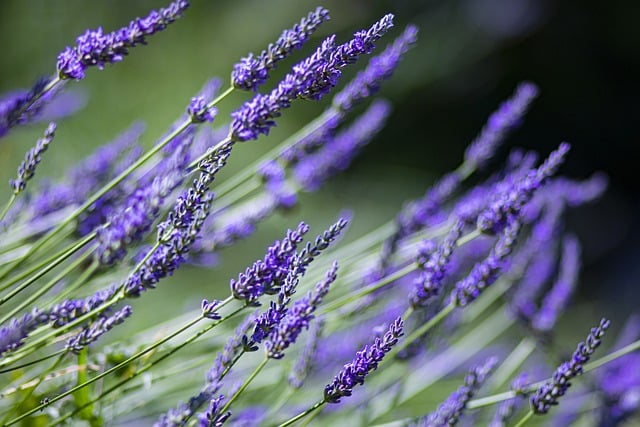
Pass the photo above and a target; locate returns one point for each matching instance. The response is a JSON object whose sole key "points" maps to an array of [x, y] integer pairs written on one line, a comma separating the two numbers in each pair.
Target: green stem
{"points": [[32, 269], [513, 361], [33, 362], [33, 388], [7, 206], [369, 289], [248, 171], [245, 384], [149, 365], [81, 280], [105, 373], [439, 317], [45, 288], [101, 192], [82, 396], [302, 414], [524, 419]]}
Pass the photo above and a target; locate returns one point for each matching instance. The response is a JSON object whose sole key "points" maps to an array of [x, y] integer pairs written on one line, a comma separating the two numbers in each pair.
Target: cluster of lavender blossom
{"points": [[371, 331]]}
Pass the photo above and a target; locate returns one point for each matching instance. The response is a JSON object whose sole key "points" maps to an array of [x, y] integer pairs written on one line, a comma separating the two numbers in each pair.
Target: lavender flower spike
{"points": [[304, 363], [508, 202], [251, 72], [502, 121], [366, 360], [27, 168], [298, 317], [94, 48], [98, 328], [309, 79], [485, 273], [380, 67], [450, 411], [548, 394]]}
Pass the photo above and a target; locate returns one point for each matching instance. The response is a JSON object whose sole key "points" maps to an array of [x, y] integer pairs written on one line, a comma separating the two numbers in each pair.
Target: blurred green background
{"points": [[470, 56]]}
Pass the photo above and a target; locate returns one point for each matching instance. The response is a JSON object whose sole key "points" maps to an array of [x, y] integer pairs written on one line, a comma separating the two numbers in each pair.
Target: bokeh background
{"points": [[585, 56]]}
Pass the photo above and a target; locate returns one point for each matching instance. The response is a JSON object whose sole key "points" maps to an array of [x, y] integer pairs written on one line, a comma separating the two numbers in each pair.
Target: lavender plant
{"points": [[414, 307]]}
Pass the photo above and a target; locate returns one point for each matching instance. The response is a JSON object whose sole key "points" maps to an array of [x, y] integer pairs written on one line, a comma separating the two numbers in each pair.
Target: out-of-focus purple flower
{"points": [[27, 168], [305, 361], [429, 283], [450, 411], [380, 67], [298, 317], [311, 142], [276, 185], [94, 48], [549, 393], [20, 107], [16, 331], [508, 202], [251, 72], [619, 380], [557, 299], [508, 408], [212, 416], [84, 178], [486, 272], [366, 360], [336, 155], [500, 123], [309, 79], [200, 112], [96, 329], [135, 220]]}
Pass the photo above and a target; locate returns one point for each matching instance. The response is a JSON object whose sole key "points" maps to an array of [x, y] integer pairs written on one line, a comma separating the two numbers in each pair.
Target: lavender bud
{"points": [[366, 360], [500, 123], [450, 411], [94, 48], [200, 112], [27, 168], [251, 72], [486, 272], [380, 67], [549, 393], [96, 329]]}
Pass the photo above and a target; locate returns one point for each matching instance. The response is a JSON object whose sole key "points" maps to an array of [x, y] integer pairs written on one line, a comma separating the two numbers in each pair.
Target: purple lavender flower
{"points": [[200, 112], [500, 123], [178, 232], [275, 183], [27, 168], [298, 317], [251, 72], [429, 283], [619, 380], [557, 299], [309, 79], [336, 155], [450, 411], [212, 416], [548, 394], [380, 67], [366, 360], [17, 330], [363, 42], [94, 48], [96, 329], [508, 202], [135, 220], [267, 275], [304, 363], [322, 242], [486, 272], [21, 107], [507, 409], [310, 143]]}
